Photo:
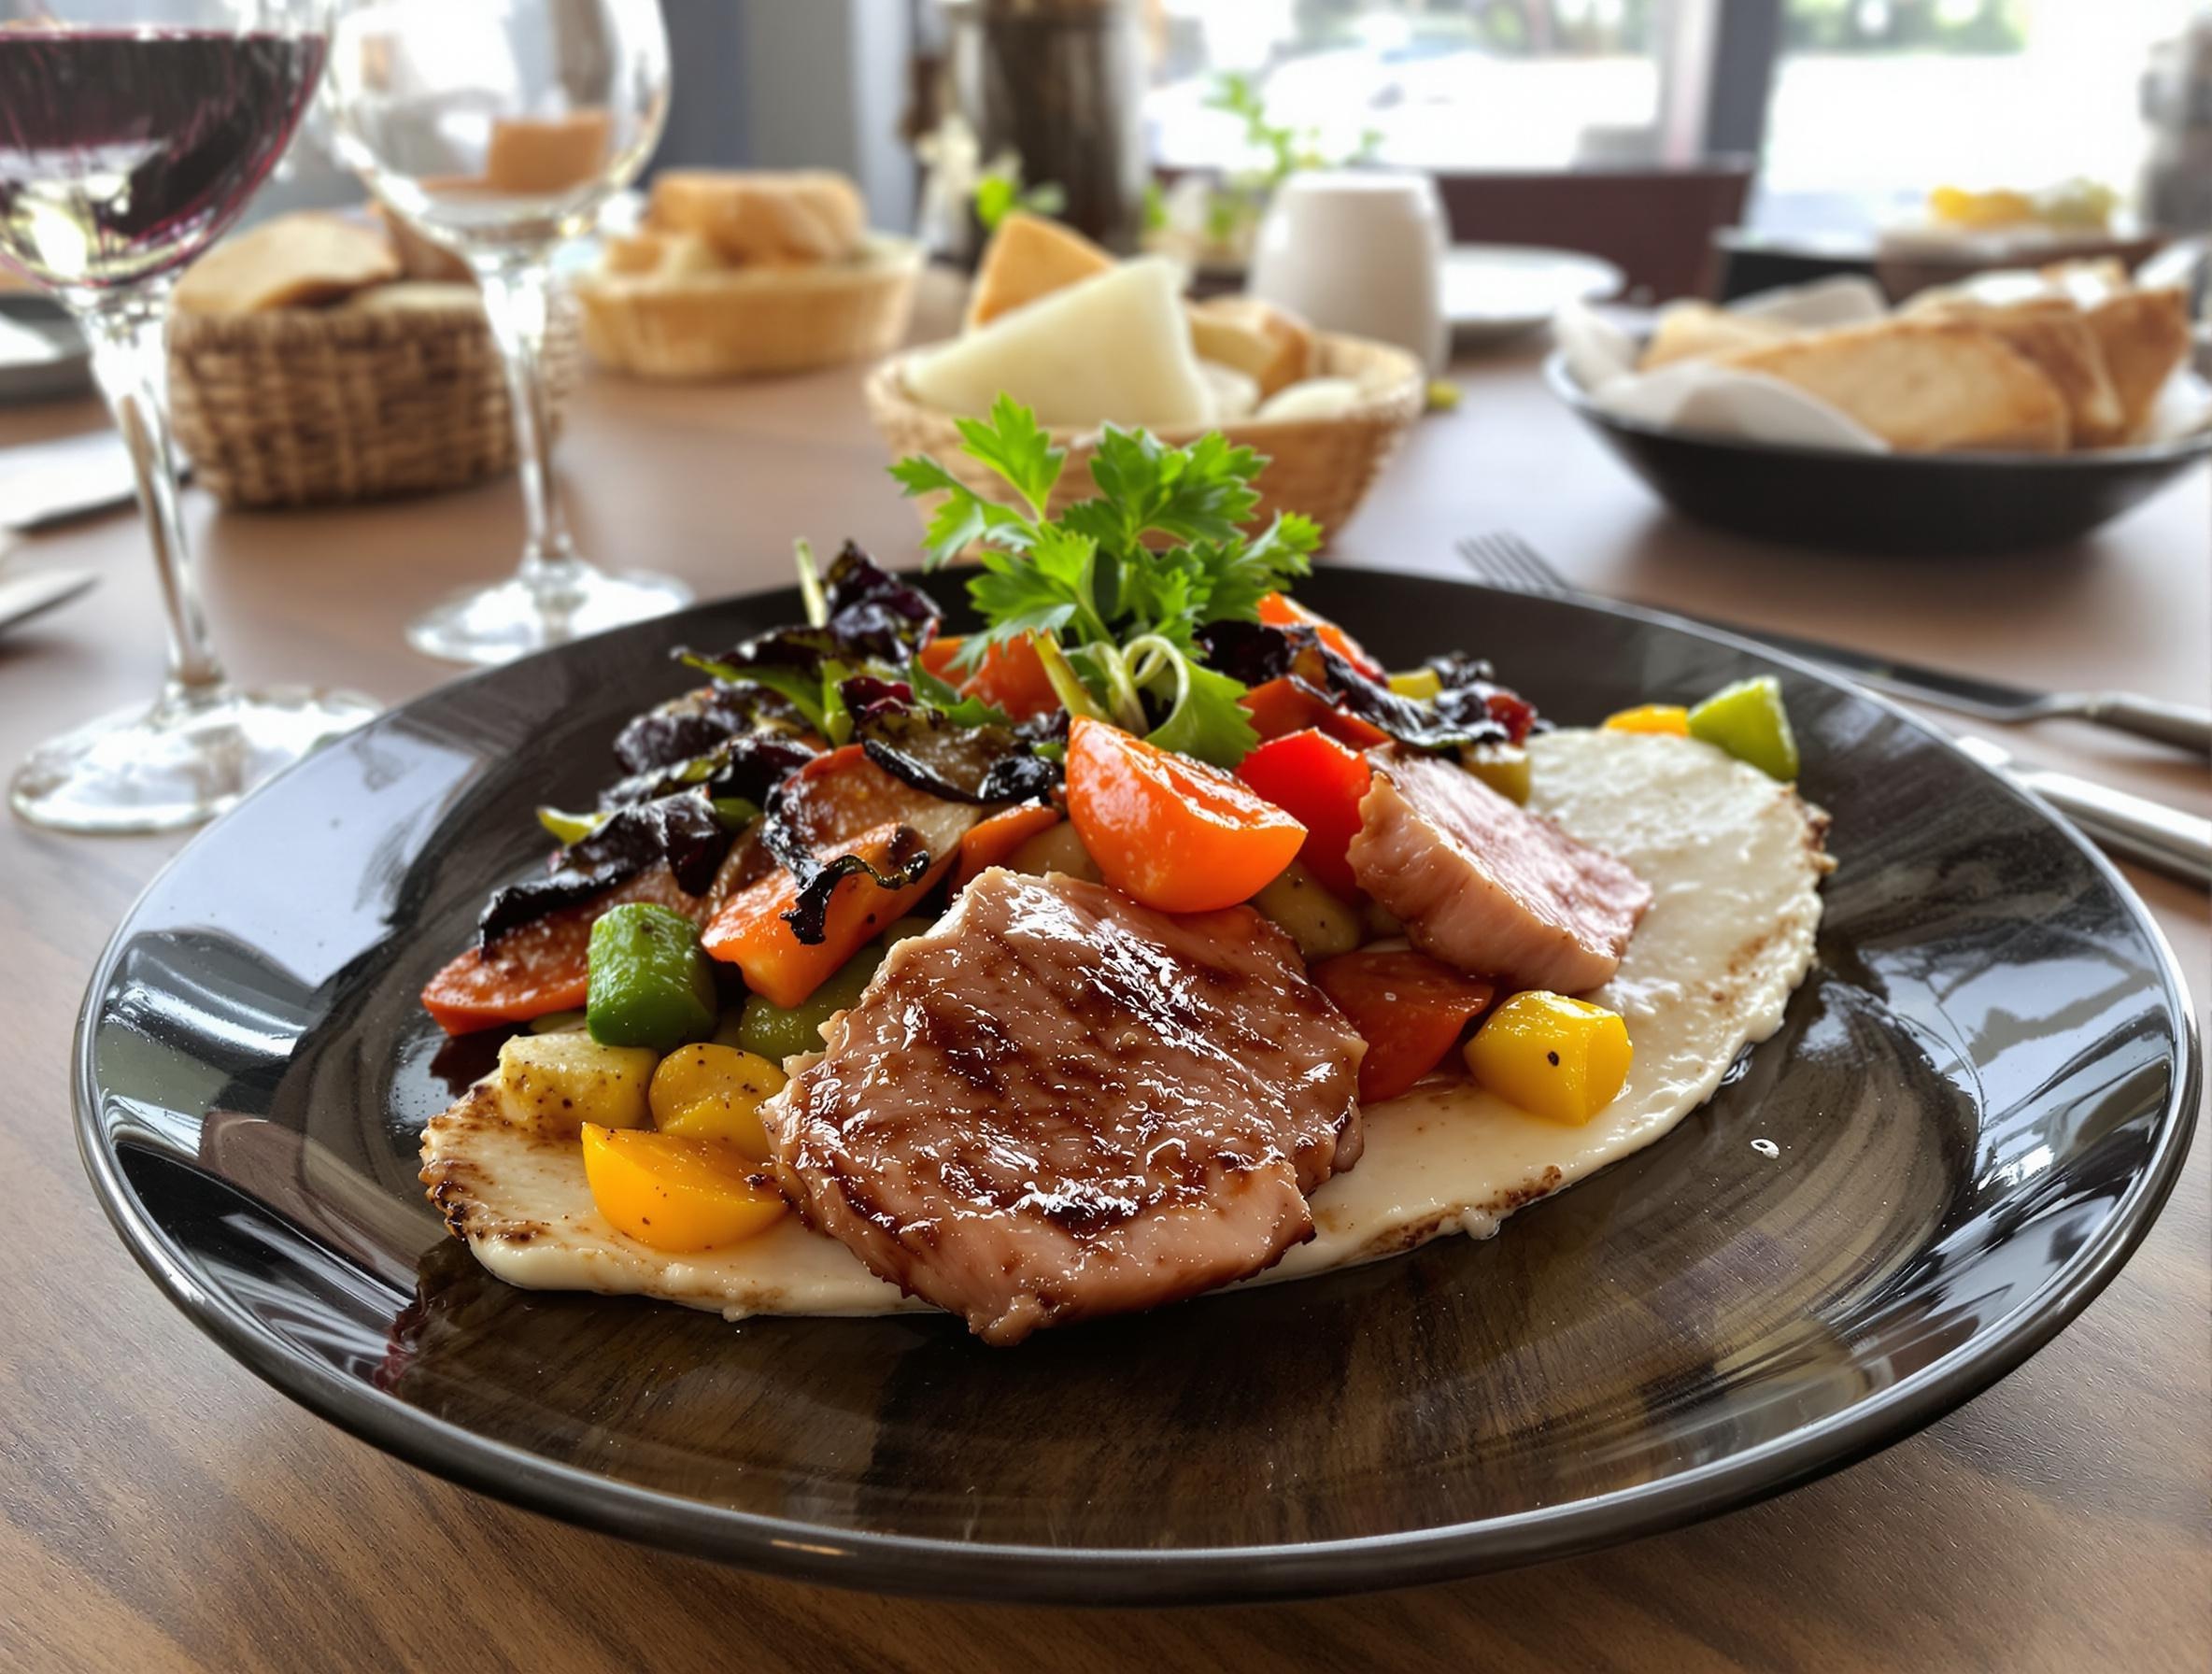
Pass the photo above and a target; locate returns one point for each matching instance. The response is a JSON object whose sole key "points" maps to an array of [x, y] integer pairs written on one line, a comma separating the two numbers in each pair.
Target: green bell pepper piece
{"points": [[652, 983]]}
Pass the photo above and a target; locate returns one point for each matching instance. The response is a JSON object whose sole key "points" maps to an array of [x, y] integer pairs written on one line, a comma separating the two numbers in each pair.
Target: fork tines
{"points": [[1504, 559]]}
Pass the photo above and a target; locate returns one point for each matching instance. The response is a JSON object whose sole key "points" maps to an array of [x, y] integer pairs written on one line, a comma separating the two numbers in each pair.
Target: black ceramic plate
{"points": [[1936, 506], [1979, 1098]]}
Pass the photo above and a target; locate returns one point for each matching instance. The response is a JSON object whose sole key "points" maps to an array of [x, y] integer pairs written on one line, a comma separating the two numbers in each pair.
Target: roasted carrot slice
{"points": [[750, 931], [1173, 832], [1280, 610], [839, 803], [1011, 678], [543, 967], [991, 842]]}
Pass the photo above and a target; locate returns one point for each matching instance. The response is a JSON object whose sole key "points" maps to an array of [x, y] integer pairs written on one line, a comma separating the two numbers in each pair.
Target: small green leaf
{"points": [[1013, 444], [1207, 721]]}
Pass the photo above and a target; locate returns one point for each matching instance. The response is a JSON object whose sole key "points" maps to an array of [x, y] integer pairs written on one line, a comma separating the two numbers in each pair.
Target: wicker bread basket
{"points": [[752, 321], [300, 406], [1323, 467]]}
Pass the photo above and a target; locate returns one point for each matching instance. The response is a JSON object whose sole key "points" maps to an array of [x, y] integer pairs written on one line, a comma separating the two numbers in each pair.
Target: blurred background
{"points": [[1810, 123]]}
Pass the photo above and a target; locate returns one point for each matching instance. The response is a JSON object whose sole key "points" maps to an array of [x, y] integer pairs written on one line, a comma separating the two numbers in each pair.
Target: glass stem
{"points": [[129, 338], [517, 298]]}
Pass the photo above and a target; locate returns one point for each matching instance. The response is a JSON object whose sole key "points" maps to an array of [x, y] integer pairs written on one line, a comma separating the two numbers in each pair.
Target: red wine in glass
{"points": [[124, 153]]}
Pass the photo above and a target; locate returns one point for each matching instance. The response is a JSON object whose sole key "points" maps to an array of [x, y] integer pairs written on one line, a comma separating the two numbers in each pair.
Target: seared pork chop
{"points": [[1056, 1103], [1483, 884]]}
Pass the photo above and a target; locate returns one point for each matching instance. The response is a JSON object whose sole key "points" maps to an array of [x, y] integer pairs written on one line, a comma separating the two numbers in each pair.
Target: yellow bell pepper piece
{"points": [[676, 1194], [715, 1092], [1560, 1059], [1670, 718], [1417, 683]]}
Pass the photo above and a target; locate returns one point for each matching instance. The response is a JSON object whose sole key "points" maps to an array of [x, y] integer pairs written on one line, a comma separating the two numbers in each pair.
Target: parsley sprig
{"points": [[1117, 587]]}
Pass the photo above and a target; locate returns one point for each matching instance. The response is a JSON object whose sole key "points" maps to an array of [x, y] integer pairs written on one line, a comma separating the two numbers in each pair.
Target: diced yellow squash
{"points": [[1313, 916], [1417, 683], [1670, 718], [715, 1092], [1560, 1059], [677, 1194], [1503, 767], [560, 1081]]}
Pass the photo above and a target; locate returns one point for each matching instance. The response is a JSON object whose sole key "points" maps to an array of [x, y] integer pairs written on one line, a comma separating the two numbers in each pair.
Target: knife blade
{"points": [[2149, 832], [2178, 724], [22, 596]]}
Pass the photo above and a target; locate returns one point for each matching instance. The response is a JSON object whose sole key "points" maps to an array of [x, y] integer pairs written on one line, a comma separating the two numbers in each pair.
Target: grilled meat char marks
{"points": [[1483, 884], [1058, 1103]]}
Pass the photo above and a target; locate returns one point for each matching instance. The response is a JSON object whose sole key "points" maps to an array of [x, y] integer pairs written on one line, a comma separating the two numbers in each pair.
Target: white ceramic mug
{"points": [[1358, 251]]}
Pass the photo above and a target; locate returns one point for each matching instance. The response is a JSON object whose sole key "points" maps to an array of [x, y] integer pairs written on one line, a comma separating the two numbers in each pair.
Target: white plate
{"points": [[1498, 291]]}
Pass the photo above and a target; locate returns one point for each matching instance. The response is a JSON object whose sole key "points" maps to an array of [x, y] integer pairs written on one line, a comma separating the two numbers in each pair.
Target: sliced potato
{"points": [[1321, 925], [559, 1081], [1058, 849]]}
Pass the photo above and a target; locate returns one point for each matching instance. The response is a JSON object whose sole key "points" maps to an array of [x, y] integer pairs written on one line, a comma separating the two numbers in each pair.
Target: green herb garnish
{"points": [[1117, 587]]}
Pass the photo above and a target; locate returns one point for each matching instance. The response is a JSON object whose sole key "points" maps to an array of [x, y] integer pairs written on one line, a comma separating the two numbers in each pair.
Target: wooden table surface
{"points": [[159, 1507]]}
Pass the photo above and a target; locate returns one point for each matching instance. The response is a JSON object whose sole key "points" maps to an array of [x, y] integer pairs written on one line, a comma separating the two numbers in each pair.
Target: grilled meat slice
{"points": [[1486, 885], [1057, 1104]]}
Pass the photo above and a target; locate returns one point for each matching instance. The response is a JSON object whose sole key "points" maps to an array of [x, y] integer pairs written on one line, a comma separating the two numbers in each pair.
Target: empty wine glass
{"points": [[132, 134], [499, 128]]}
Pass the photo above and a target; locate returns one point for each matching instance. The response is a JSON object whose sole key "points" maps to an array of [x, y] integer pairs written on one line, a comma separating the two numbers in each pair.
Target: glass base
{"points": [[185, 759], [498, 624]]}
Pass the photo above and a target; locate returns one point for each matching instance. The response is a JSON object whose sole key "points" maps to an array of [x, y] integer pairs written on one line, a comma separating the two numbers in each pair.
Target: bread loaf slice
{"points": [[1923, 385]]}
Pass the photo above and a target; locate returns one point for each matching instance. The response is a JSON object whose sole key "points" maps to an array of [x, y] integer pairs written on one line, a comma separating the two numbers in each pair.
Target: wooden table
{"points": [[164, 1510]]}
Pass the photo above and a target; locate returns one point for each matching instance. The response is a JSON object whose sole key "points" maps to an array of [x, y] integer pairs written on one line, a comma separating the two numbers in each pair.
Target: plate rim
{"points": [[921, 1566], [2179, 453]]}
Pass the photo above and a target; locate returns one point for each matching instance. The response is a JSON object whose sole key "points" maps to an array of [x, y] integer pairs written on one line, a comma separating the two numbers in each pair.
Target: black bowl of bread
{"points": [[2014, 412]]}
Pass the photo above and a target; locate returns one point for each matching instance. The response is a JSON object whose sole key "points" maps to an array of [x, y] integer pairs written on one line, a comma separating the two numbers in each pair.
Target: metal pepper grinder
{"points": [[1058, 86]]}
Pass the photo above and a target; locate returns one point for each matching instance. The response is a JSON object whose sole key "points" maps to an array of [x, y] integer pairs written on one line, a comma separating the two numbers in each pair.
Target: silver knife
{"points": [[25, 596], [2178, 724], [2163, 839]]}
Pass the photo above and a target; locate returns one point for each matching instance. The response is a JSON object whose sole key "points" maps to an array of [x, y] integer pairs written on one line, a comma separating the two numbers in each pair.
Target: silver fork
{"points": [[1508, 561], [2165, 839]]}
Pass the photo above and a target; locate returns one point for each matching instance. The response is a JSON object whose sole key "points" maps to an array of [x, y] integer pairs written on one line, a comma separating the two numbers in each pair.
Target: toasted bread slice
{"points": [[294, 261], [1923, 385], [759, 217], [1292, 352], [1030, 257], [2144, 336], [1692, 330], [419, 257], [539, 155], [2053, 333]]}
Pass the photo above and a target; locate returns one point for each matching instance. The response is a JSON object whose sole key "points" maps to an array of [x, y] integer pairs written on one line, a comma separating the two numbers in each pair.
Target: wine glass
{"points": [[499, 128], [132, 134]]}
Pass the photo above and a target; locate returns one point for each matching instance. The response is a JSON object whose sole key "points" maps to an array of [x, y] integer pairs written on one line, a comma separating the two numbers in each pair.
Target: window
{"points": [[1877, 100], [1511, 84]]}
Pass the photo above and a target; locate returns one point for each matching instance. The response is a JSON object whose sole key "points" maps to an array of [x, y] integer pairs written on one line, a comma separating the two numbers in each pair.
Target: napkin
{"points": [[1717, 401]]}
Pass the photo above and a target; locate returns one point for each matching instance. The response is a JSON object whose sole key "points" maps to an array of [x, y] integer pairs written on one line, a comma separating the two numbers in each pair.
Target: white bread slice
{"points": [[1693, 331], [1113, 348], [1292, 352], [762, 217], [1030, 257], [2054, 334], [2144, 336], [294, 261], [1923, 385], [534, 155]]}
